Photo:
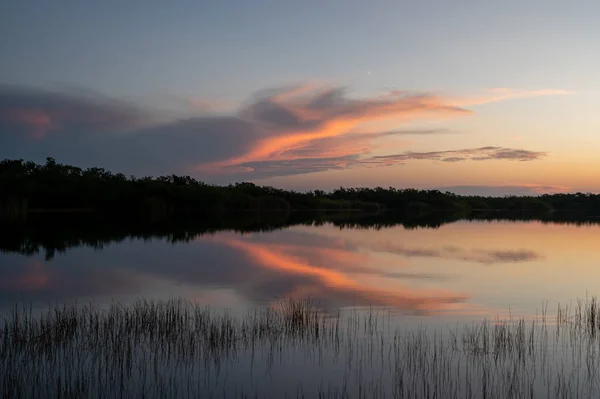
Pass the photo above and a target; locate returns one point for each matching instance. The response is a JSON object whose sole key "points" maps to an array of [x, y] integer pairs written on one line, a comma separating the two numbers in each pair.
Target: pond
{"points": [[398, 312]]}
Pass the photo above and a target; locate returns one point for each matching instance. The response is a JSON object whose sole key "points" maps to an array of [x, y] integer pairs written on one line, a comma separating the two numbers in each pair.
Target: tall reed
{"points": [[292, 348]]}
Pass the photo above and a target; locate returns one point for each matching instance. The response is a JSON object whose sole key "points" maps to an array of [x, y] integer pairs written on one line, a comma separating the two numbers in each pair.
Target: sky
{"points": [[477, 97]]}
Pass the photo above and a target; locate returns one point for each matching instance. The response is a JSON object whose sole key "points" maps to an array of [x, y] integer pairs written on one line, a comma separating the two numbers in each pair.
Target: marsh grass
{"points": [[292, 348]]}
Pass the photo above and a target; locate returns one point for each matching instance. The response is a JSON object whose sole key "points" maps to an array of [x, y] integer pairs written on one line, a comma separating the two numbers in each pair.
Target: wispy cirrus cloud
{"points": [[505, 93], [277, 132], [360, 160], [474, 154]]}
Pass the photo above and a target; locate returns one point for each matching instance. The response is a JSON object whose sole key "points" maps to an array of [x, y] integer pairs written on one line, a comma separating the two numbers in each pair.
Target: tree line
{"points": [[26, 186]]}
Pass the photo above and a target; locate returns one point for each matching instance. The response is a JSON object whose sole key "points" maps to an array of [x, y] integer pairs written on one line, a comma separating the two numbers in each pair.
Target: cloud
{"points": [[299, 117], [474, 154], [316, 130], [504, 93], [356, 160], [277, 132], [40, 112], [454, 159], [91, 130]]}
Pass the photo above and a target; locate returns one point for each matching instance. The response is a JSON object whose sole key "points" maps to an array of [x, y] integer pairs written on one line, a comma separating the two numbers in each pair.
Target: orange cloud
{"points": [[322, 125], [298, 116]]}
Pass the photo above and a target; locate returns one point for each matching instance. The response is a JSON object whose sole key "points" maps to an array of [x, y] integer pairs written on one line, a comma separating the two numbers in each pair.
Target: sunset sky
{"points": [[470, 96]]}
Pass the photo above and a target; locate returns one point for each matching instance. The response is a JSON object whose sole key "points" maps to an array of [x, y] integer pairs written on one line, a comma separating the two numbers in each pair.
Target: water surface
{"points": [[466, 270]]}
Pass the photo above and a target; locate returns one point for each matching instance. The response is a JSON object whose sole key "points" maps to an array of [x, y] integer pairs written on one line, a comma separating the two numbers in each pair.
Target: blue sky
{"points": [[524, 71]]}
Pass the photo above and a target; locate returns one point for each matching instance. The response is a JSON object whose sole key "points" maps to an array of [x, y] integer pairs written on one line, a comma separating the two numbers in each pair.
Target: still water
{"points": [[465, 270], [401, 312]]}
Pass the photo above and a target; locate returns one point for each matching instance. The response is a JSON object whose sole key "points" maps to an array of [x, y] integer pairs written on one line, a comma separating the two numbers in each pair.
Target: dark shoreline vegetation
{"points": [[174, 348], [27, 187]]}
